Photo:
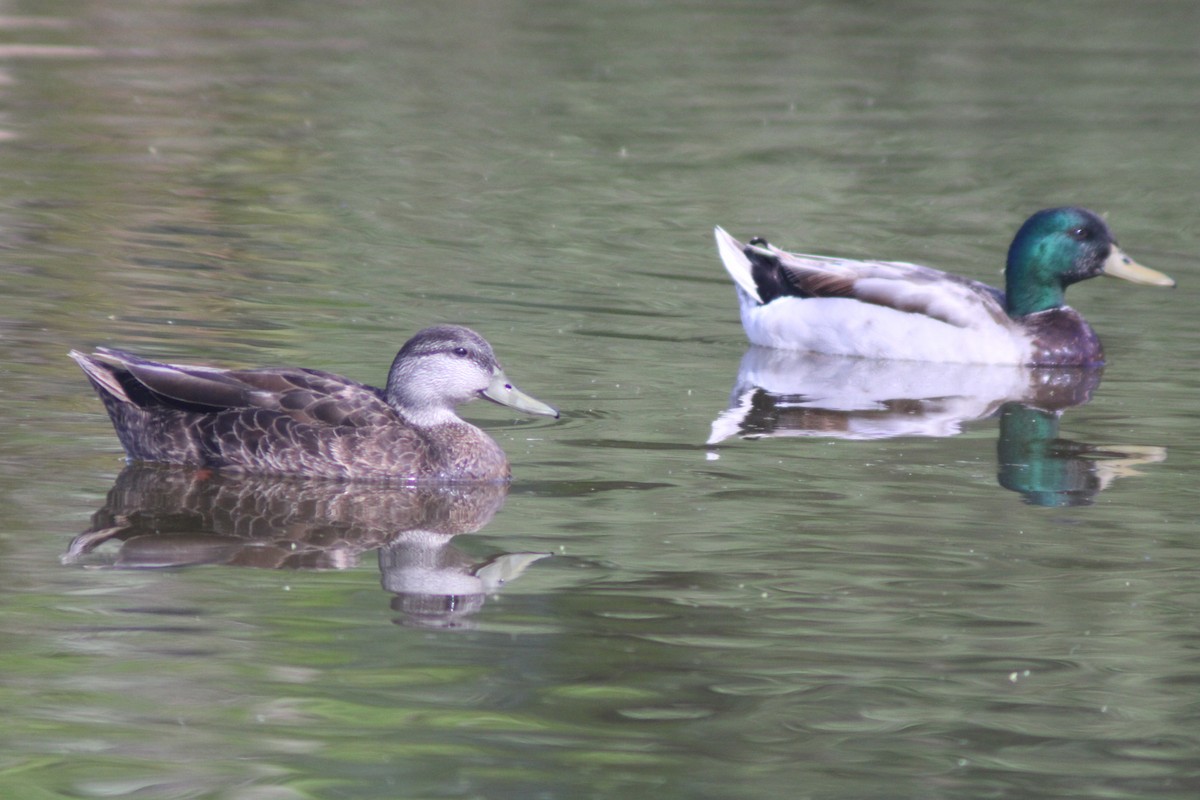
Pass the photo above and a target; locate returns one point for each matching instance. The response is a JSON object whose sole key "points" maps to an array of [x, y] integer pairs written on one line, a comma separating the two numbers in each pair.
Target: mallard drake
{"points": [[893, 310], [296, 421]]}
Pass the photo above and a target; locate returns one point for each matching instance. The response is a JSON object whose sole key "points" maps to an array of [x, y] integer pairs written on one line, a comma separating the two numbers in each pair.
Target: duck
{"points": [[307, 422], [900, 311]]}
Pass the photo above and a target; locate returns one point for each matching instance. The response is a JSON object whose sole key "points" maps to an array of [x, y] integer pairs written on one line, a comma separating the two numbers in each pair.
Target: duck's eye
{"points": [[1078, 233], [461, 352]]}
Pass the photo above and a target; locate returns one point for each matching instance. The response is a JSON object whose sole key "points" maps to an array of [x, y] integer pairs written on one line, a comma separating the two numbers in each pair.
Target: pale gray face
{"points": [[446, 365]]}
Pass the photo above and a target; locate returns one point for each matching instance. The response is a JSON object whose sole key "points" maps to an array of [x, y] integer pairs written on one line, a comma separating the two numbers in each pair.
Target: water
{"points": [[710, 578]]}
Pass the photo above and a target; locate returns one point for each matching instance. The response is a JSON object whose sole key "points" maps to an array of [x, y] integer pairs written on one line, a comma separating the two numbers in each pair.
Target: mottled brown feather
{"points": [[279, 421]]}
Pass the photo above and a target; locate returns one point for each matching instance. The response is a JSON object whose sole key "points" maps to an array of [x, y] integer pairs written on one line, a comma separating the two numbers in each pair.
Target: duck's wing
{"points": [[307, 396], [319, 398], [765, 273]]}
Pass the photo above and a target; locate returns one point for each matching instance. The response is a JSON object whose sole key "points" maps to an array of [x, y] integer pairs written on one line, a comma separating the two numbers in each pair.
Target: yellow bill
{"points": [[1119, 265]]}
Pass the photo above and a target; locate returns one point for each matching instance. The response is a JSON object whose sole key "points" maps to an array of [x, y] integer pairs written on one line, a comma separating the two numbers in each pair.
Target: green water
{"points": [[698, 585]]}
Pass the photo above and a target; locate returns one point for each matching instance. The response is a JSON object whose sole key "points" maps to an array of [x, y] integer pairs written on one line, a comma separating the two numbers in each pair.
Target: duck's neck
{"points": [[429, 417], [1023, 297], [1033, 281]]}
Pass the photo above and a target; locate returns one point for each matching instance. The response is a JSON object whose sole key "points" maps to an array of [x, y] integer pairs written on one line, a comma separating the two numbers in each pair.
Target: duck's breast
{"points": [[1062, 337]]}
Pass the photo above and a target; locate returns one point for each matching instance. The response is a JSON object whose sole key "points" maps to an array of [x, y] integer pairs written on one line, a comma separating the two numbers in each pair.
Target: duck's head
{"points": [[1060, 246], [445, 365]]}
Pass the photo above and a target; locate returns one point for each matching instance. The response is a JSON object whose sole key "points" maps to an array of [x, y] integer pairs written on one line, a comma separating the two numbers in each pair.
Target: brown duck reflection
{"points": [[780, 394], [172, 516]]}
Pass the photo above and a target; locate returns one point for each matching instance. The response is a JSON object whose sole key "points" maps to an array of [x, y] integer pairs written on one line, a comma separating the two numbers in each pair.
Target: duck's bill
{"points": [[501, 391], [1122, 266]]}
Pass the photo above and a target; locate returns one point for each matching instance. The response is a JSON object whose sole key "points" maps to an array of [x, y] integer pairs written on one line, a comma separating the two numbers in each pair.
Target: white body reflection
{"points": [[780, 393], [786, 393]]}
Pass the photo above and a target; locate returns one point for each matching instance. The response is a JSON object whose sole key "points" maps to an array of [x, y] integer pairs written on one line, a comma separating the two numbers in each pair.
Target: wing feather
{"points": [[307, 396], [910, 288]]}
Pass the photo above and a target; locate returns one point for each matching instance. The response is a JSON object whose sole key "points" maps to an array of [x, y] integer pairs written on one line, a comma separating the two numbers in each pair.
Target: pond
{"points": [[725, 571]]}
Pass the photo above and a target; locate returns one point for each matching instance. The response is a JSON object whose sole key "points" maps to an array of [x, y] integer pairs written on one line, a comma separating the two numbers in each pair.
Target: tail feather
{"points": [[101, 374], [128, 378], [736, 263]]}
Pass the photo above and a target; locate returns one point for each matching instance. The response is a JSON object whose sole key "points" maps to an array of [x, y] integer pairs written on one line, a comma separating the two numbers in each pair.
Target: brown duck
{"points": [[294, 421]]}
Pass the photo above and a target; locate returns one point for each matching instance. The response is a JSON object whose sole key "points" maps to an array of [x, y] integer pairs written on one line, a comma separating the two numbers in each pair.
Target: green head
{"points": [[1060, 246]]}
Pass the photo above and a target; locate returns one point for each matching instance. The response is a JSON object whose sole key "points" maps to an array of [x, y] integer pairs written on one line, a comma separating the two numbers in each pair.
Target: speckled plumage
{"points": [[895, 310], [308, 422]]}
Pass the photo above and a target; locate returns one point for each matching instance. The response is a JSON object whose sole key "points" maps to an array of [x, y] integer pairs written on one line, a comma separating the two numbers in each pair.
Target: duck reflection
{"points": [[171, 517], [780, 393], [1049, 471]]}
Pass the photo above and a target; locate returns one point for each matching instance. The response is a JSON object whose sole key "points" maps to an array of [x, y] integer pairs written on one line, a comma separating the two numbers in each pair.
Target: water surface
{"points": [[763, 580]]}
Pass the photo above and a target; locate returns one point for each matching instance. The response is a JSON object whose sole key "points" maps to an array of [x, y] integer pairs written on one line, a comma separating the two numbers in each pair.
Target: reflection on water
{"points": [[1049, 471], [173, 517], [781, 393], [788, 393]]}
